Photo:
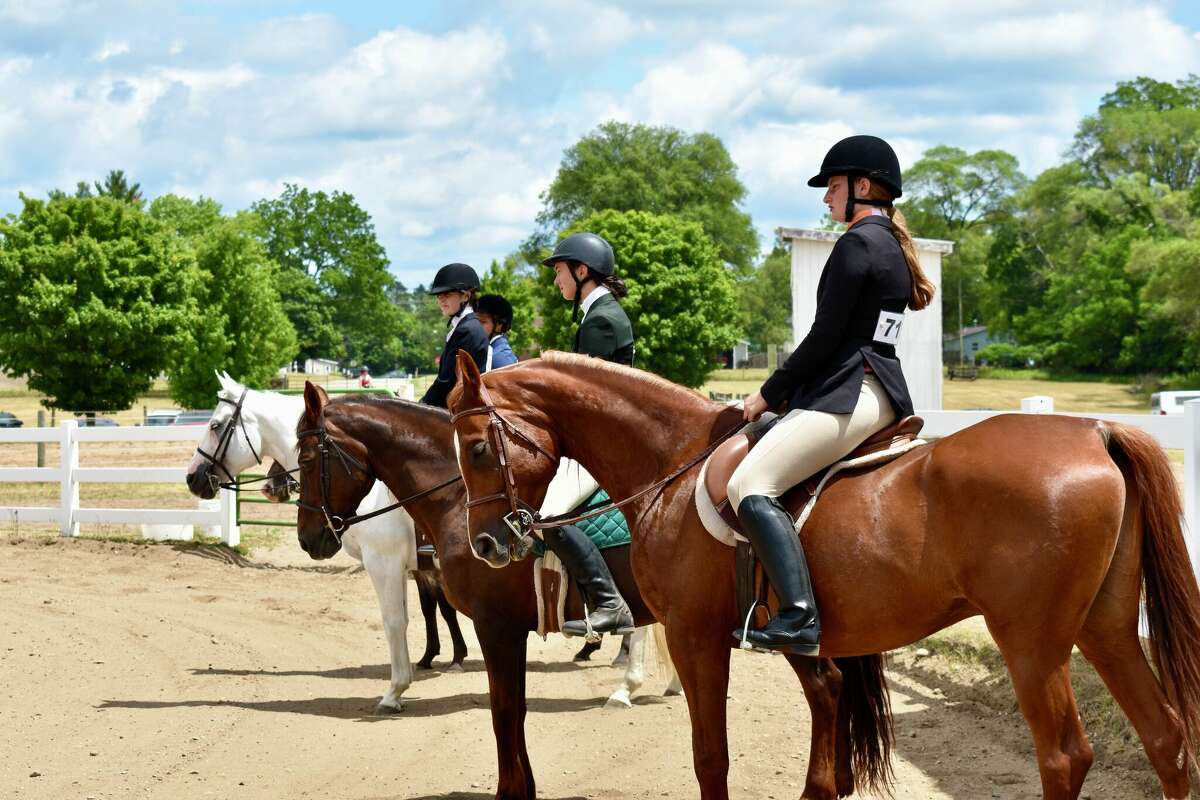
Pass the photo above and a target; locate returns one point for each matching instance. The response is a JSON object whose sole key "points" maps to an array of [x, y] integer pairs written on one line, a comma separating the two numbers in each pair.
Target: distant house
{"points": [[737, 357], [318, 366], [972, 339]]}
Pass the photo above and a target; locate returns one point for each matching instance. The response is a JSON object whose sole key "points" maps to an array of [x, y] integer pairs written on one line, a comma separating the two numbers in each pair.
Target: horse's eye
{"points": [[215, 424], [479, 449]]}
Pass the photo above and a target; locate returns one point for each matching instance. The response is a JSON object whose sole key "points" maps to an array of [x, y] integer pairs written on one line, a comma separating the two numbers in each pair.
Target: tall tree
{"points": [[118, 187], [93, 297], [335, 269], [765, 299], [658, 169], [680, 294], [1148, 127], [240, 325]]}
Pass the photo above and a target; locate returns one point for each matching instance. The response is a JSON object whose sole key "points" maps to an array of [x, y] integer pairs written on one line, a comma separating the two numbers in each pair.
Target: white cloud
{"points": [[110, 49]]}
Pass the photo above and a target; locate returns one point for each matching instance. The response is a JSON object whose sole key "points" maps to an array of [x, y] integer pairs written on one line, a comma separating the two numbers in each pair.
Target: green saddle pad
{"points": [[605, 530]]}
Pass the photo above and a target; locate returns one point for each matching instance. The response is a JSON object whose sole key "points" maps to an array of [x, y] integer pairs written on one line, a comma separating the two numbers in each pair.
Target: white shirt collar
{"points": [[457, 318], [591, 299]]}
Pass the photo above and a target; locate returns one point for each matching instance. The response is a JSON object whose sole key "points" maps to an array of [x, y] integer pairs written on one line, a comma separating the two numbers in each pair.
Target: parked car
{"points": [[162, 416], [194, 416], [9, 420], [1171, 402], [95, 422]]}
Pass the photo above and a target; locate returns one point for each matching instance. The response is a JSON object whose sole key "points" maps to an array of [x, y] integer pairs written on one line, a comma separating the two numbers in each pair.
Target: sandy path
{"points": [[152, 672]]}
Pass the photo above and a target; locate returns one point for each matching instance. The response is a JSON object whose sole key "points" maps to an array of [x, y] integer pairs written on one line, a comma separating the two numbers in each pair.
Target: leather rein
{"points": [[217, 456], [338, 523], [522, 519]]}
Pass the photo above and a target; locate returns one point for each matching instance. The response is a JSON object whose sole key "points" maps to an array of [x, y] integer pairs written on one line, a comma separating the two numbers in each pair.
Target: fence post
{"points": [[231, 534], [41, 446], [68, 449], [1038, 404], [1191, 481]]}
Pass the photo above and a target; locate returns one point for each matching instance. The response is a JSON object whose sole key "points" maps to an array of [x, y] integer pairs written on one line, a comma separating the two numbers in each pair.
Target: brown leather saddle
{"points": [[726, 458]]}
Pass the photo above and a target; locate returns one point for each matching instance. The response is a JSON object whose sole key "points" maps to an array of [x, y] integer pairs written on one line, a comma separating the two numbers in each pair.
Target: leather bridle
{"points": [[338, 523], [522, 519], [217, 457]]}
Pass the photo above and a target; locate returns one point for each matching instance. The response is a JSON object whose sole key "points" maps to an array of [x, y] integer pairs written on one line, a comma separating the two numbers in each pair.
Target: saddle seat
{"points": [[725, 459]]}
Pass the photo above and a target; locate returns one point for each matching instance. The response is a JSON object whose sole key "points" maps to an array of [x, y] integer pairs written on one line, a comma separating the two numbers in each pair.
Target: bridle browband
{"points": [[337, 523], [217, 457], [522, 520]]}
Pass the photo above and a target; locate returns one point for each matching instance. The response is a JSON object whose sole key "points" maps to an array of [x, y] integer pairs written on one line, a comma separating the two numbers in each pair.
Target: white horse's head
{"points": [[232, 444]]}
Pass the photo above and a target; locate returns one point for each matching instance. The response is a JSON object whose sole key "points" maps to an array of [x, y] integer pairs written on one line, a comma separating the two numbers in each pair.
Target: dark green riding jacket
{"points": [[605, 332]]}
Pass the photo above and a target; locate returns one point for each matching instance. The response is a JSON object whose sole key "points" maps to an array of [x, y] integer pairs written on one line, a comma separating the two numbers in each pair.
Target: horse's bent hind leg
{"points": [[702, 662], [451, 617], [1041, 675], [427, 591], [822, 682]]}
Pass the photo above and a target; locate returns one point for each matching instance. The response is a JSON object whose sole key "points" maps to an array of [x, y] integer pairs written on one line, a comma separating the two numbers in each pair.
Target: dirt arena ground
{"points": [[191, 672]]}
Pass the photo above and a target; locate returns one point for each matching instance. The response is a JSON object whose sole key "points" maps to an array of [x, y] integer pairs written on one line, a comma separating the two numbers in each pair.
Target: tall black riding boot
{"points": [[607, 612], [797, 626]]}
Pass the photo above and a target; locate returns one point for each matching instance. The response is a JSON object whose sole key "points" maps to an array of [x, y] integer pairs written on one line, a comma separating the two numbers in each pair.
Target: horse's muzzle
{"points": [[489, 549], [201, 483]]}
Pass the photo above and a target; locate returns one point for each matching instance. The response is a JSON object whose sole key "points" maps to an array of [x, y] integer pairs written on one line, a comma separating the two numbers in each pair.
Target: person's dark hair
{"points": [[612, 283]]}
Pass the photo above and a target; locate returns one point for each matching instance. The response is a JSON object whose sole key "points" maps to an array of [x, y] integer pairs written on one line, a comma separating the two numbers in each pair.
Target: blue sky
{"points": [[446, 120]]}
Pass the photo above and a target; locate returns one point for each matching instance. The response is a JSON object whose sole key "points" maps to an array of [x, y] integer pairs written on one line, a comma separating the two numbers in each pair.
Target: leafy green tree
{"points": [[516, 281], [329, 240], [94, 295], [1170, 300], [680, 294], [240, 326], [765, 299], [953, 194], [1148, 127], [118, 187], [662, 170]]}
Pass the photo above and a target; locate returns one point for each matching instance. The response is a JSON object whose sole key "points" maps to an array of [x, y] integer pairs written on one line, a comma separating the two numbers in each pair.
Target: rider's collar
{"points": [[591, 299], [457, 318]]}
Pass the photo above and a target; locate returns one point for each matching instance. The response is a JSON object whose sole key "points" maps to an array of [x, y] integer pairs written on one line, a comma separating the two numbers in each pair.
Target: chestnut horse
{"points": [[1048, 526]]}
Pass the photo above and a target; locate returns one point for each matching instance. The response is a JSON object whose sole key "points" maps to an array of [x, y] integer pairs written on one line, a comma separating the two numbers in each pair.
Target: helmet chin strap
{"points": [[866, 201], [578, 294]]}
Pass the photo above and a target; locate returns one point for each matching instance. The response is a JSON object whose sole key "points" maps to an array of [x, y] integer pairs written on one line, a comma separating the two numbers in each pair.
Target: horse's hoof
{"points": [[424, 664], [671, 691], [386, 708], [618, 700], [622, 660], [455, 667]]}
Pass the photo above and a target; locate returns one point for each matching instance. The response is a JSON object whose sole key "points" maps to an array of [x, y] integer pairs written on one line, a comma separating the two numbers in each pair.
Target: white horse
{"points": [[385, 545]]}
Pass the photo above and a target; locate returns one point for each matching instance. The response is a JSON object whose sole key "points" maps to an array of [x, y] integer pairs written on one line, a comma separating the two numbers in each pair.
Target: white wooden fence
{"points": [[69, 514]]}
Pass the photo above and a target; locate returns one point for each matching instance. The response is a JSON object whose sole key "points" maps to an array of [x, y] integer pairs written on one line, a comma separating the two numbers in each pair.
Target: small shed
{"points": [[920, 347]]}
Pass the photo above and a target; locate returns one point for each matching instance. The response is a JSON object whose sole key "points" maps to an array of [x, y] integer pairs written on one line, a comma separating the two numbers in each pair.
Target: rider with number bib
{"points": [[455, 286], [841, 384], [583, 266]]}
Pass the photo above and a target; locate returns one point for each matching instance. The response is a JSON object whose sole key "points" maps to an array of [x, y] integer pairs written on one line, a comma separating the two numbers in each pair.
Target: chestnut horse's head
{"points": [[506, 458], [334, 477]]}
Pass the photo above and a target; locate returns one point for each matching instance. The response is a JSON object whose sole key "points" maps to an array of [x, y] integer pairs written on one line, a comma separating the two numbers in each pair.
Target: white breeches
{"points": [[572, 484]]}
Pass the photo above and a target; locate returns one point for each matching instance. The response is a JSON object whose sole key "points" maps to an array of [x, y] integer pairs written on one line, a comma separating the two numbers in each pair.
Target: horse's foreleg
{"points": [[822, 682], [390, 579], [702, 661], [504, 655], [456, 637], [635, 671], [621, 659], [427, 592]]}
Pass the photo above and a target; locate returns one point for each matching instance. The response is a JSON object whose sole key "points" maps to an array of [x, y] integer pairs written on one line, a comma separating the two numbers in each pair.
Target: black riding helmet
{"points": [[593, 251], [499, 309], [455, 277], [861, 156]]}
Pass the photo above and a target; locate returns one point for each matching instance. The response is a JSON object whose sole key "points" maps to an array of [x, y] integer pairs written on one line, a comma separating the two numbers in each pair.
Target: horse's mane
{"points": [[384, 401], [576, 362]]}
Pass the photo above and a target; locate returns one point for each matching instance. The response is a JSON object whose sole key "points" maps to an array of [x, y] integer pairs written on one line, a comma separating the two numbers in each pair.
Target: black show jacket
{"points": [[865, 275], [467, 335]]}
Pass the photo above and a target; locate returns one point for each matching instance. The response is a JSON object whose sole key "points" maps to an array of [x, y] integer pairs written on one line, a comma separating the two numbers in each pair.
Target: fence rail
{"points": [[70, 514]]}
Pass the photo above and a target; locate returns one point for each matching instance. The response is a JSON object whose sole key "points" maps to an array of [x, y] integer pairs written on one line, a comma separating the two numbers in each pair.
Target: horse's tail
{"points": [[1169, 582], [866, 708]]}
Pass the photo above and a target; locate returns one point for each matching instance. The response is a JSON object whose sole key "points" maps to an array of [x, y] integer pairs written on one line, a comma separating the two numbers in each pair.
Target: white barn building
{"points": [[920, 347]]}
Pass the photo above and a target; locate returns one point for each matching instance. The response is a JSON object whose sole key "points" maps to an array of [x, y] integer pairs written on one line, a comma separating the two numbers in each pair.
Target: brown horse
{"points": [[348, 442], [1047, 526]]}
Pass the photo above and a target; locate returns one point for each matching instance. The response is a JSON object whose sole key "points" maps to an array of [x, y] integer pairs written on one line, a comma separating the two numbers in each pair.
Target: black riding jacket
{"points": [[864, 289], [467, 335]]}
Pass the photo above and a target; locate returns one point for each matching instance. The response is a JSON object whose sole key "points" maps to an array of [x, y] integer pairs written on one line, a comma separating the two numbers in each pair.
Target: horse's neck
{"points": [[277, 415], [627, 442]]}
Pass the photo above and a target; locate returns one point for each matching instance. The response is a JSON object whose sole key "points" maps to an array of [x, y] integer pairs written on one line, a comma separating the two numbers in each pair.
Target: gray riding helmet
{"points": [[586, 248]]}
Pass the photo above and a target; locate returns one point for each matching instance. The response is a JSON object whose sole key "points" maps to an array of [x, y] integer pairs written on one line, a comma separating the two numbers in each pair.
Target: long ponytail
{"points": [[922, 287], [610, 282]]}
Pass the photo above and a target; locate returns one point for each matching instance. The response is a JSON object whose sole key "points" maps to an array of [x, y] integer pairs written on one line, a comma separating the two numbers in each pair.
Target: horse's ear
{"points": [[315, 400], [470, 380]]}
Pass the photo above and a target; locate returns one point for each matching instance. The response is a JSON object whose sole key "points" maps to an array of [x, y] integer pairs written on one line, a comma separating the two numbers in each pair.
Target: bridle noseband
{"points": [[217, 457], [338, 523]]}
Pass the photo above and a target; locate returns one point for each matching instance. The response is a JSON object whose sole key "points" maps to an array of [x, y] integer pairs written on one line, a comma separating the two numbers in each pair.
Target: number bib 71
{"points": [[887, 329]]}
